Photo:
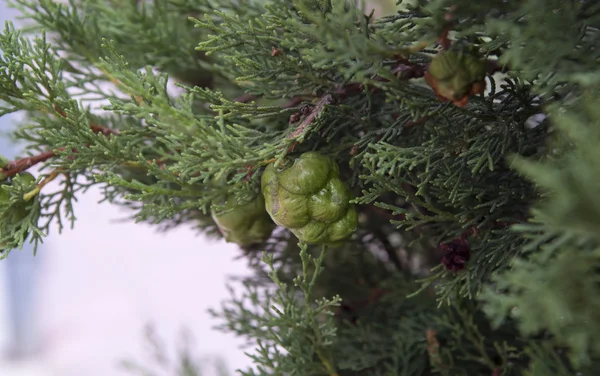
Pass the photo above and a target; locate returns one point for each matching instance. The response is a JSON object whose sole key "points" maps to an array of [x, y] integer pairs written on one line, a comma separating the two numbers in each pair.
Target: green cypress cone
{"points": [[244, 224], [309, 198]]}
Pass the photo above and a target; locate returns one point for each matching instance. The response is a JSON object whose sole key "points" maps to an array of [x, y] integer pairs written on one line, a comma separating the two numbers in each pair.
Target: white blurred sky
{"points": [[103, 282]]}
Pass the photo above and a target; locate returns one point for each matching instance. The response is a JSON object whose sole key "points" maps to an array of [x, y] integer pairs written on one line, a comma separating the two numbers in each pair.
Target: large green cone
{"points": [[309, 198]]}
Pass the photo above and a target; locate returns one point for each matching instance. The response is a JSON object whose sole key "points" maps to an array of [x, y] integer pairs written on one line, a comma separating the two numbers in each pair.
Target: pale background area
{"points": [[101, 283], [94, 288]]}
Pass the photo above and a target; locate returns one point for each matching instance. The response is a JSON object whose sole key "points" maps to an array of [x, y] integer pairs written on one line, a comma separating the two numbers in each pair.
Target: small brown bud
{"points": [[456, 254]]}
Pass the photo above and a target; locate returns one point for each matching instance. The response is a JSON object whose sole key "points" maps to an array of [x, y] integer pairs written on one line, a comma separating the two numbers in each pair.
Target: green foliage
{"points": [[563, 241], [513, 173], [293, 329], [19, 215]]}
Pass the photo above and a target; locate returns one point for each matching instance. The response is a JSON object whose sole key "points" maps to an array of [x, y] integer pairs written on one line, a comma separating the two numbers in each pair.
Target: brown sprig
{"points": [[312, 114], [22, 164], [433, 349], [245, 98]]}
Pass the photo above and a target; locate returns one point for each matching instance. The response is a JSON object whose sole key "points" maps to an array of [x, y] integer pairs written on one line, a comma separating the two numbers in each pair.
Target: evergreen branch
{"points": [[22, 164], [314, 112], [321, 75]]}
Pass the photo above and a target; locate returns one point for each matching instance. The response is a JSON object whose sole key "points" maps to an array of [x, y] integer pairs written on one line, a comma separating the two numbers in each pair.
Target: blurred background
{"points": [[83, 303]]}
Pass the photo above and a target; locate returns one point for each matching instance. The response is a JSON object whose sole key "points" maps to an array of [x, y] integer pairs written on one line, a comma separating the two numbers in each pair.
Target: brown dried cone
{"points": [[456, 76], [456, 254]]}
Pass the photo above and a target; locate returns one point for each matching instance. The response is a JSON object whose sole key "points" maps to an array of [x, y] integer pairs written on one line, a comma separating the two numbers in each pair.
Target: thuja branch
{"points": [[17, 166]]}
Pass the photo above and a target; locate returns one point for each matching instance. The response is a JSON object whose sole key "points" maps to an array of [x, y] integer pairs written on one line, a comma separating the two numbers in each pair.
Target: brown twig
{"points": [[249, 172], [444, 41], [103, 130], [326, 99], [408, 69], [245, 98], [380, 211], [433, 349], [294, 102], [449, 17], [22, 164], [94, 127]]}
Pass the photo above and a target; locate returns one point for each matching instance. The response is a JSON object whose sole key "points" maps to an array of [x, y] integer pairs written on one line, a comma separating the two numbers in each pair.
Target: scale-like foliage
{"points": [[477, 246]]}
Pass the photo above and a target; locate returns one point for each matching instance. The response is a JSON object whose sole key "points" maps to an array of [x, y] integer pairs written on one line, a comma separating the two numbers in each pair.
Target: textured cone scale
{"points": [[309, 198], [245, 224], [456, 76]]}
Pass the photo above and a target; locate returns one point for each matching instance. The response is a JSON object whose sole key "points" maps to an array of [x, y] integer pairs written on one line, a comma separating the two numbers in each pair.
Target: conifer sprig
{"points": [[481, 208]]}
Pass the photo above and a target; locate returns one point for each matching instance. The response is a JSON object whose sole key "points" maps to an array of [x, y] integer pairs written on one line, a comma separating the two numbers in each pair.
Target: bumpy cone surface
{"points": [[455, 76], [309, 198], [245, 224]]}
